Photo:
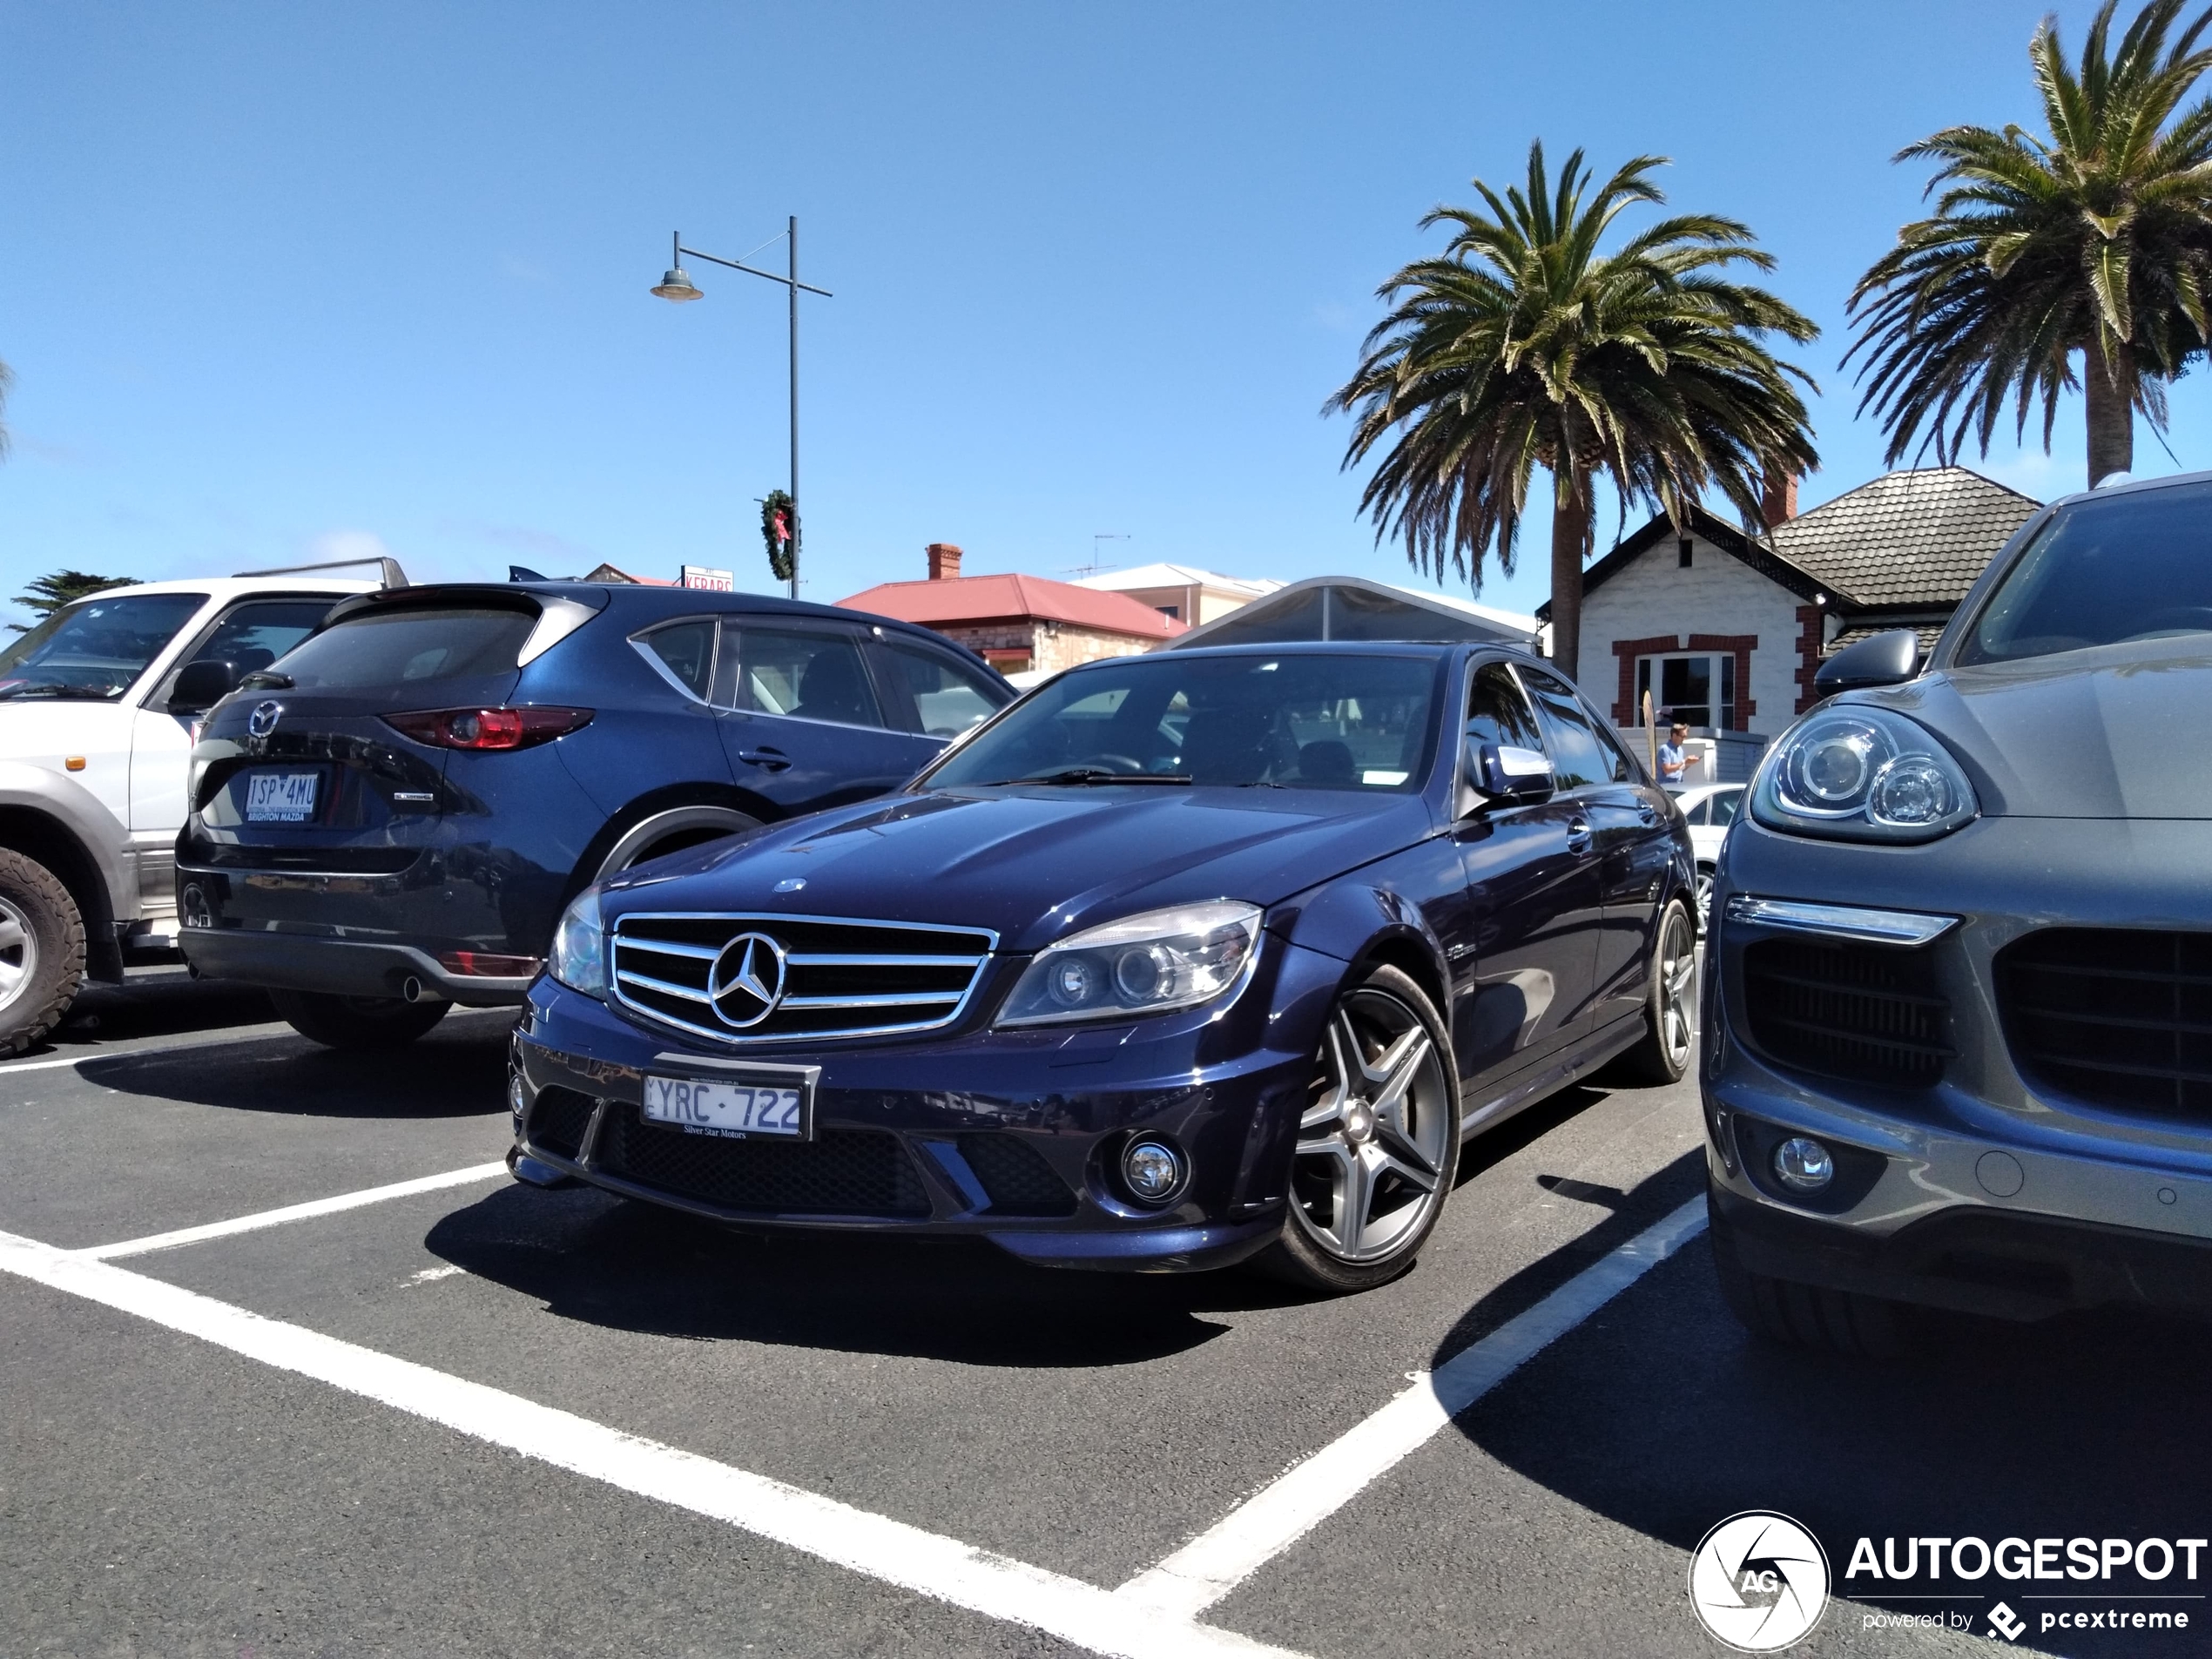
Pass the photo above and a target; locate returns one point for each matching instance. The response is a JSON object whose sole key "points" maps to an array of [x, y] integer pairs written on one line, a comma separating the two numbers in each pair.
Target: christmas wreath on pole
{"points": [[780, 530]]}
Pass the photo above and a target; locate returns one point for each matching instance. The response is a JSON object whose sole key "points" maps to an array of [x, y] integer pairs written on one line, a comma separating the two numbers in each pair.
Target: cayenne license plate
{"points": [[280, 797], [778, 1104]]}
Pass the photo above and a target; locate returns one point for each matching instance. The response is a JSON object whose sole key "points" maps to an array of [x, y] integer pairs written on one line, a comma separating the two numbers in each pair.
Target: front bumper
{"points": [[1974, 1187], [1013, 1136]]}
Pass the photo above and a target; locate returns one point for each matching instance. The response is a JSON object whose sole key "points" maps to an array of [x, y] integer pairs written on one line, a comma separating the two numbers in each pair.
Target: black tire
{"points": [[42, 951], [357, 1022], [1804, 1316], [1407, 1144], [1662, 1055]]}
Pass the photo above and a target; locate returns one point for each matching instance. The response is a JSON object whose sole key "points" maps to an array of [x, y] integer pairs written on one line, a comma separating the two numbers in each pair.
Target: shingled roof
{"points": [[1913, 537]]}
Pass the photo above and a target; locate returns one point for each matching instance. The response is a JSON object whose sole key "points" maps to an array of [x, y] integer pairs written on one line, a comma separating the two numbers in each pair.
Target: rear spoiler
{"points": [[393, 575]]}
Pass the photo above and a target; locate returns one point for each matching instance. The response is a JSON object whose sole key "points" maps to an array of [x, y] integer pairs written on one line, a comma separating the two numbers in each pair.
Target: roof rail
{"points": [[393, 577]]}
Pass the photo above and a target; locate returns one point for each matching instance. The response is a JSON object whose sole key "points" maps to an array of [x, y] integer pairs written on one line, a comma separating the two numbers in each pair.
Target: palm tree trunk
{"points": [[1570, 538], [2109, 391]]}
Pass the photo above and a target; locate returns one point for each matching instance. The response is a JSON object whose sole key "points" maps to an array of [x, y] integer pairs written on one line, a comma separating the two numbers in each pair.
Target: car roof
{"points": [[1425, 648], [232, 587]]}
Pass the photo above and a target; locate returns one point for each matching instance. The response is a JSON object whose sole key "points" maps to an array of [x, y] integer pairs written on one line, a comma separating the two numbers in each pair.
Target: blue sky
{"points": [[282, 281]]}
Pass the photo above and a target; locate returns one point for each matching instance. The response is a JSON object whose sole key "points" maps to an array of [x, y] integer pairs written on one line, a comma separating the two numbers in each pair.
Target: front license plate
{"points": [[739, 1110], [280, 797]]}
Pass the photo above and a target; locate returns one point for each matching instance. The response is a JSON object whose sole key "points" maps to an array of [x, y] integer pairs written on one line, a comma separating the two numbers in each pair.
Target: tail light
{"points": [[488, 728], [480, 964]]}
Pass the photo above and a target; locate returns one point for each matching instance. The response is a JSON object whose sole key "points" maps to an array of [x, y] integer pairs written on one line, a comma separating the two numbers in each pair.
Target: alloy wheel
{"points": [[1375, 1143], [1676, 968], [1704, 897], [18, 952]]}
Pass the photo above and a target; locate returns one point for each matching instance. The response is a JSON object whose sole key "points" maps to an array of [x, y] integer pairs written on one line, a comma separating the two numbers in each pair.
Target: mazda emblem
{"points": [[263, 720], [747, 981]]}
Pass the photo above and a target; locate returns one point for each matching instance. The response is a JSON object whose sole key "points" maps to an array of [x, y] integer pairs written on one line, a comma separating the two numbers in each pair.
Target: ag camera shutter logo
{"points": [[1758, 1582]]}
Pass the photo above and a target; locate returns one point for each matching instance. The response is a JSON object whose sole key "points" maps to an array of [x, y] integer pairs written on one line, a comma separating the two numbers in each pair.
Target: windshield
{"points": [[2134, 566], [96, 647], [1324, 721]]}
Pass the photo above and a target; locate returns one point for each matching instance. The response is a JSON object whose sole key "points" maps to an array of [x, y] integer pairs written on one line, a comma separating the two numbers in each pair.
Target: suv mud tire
{"points": [[42, 951], [1805, 1316], [357, 1022]]}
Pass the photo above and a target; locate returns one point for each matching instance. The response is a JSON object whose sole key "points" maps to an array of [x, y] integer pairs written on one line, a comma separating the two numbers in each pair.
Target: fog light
{"points": [[1803, 1164], [518, 1099], [1154, 1169]]}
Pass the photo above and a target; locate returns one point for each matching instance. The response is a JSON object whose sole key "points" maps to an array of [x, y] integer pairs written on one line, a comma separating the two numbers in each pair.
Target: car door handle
{"points": [[1578, 837], [1648, 812], [774, 759]]}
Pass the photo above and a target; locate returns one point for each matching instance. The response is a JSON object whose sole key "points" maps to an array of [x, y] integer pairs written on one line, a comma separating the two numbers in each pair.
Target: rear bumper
{"points": [[343, 967]]}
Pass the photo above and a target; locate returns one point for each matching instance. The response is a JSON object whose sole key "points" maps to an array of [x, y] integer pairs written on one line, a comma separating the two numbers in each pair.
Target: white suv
{"points": [[100, 707]]}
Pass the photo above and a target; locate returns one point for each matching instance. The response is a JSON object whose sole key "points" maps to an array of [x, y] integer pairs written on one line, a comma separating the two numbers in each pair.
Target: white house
{"points": [[1182, 592], [1726, 632]]}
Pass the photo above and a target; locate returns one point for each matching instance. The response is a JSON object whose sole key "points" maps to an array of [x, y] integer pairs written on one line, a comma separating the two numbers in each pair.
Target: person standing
{"points": [[1675, 761]]}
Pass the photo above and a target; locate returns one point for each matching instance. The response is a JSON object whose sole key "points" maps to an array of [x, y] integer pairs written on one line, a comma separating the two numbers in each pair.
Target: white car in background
{"points": [[1710, 809], [100, 707]]}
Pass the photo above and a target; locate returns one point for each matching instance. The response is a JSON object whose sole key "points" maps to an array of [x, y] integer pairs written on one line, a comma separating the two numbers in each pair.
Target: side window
{"points": [[686, 650], [1700, 814], [1578, 759], [1498, 713], [803, 673], [1724, 805], [1624, 770], [253, 635], [949, 696]]}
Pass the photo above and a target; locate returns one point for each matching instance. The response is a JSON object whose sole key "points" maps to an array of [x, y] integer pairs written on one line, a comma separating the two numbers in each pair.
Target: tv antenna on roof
{"points": [[1094, 566]]}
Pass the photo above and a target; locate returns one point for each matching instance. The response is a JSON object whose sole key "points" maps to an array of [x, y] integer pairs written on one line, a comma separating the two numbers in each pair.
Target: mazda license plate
{"points": [[280, 797], [769, 1102]]}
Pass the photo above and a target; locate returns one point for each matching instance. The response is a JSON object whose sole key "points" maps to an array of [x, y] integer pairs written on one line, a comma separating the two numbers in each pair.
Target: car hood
{"points": [[2115, 732], [1033, 865]]}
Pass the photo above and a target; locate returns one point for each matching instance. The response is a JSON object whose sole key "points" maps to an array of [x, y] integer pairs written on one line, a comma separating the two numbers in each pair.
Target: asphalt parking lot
{"points": [[474, 1417]]}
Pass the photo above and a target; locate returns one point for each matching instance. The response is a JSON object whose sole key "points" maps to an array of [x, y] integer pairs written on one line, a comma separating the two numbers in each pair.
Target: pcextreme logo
{"points": [[1758, 1582]]}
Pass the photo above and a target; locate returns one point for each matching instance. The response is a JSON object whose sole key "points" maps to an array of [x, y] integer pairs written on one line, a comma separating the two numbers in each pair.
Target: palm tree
{"points": [[2096, 240], [1523, 346]]}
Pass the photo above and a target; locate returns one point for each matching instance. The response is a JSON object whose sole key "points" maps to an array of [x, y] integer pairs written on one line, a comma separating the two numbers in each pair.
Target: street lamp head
{"points": [[676, 284]]}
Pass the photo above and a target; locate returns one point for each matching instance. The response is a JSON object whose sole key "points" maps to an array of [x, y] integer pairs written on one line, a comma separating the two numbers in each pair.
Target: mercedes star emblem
{"points": [[747, 981]]}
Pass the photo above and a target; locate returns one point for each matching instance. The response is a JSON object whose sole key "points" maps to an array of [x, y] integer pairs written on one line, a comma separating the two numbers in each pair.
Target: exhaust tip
{"points": [[411, 989]]}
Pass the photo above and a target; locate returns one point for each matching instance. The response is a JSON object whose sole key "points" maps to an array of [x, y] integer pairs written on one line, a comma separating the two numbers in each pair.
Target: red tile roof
{"points": [[999, 598]]}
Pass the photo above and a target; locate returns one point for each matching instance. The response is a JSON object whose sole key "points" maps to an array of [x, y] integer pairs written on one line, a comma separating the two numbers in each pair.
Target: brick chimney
{"points": [[1778, 500], [944, 562]]}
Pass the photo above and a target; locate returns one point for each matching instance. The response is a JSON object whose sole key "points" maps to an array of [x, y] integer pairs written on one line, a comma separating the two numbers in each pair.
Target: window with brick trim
{"points": [[1697, 688]]}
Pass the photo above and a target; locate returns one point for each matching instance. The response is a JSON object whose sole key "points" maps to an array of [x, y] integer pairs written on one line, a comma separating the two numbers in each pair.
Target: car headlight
{"points": [[1147, 964], [1858, 773], [578, 958]]}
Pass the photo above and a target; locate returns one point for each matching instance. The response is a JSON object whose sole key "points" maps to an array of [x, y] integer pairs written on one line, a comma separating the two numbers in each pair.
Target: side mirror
{"points": [[201, 685], [1500, 772], [1886, 659]]}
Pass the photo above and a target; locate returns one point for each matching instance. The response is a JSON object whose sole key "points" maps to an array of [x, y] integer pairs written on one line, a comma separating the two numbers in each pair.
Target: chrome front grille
{"points": [[755, 979]]}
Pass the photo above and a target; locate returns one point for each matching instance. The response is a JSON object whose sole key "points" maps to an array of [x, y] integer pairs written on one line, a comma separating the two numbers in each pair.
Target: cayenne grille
{"points": [[773, 979], [1015, 1174], [2119, 1017], [1865, 1013], [559, 1120], [845, 1172]]}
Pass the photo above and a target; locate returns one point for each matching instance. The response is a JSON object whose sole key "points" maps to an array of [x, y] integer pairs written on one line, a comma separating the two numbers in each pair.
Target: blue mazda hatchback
{"points": [[1182, 959], [390, 819]]}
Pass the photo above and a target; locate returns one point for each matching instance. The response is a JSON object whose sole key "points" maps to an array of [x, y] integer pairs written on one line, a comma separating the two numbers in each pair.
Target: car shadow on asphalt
{"points": [[166, 1006], [588, 1256], [458, 1070], [1663, 1414]]}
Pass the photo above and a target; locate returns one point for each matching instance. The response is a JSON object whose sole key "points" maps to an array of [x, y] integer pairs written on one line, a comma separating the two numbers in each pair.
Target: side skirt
{"points": [[1547, 1080]]}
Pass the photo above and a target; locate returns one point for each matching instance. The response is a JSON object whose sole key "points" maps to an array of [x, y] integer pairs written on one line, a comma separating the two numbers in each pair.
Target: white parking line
{"points": [[996, 1586], [293, 1212], [1215, 1562]]}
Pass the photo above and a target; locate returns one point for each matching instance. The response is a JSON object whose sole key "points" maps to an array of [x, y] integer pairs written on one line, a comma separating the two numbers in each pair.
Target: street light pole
{"points": [[676, 286]]}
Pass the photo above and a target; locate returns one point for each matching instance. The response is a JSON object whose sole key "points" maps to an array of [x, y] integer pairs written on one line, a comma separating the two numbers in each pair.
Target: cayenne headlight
{"points": [[578, 958], [1147, 964], [1858, 773]]}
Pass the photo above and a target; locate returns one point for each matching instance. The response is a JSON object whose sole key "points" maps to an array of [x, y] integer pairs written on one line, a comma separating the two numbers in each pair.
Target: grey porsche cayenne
{"points": [[1958, 988]]}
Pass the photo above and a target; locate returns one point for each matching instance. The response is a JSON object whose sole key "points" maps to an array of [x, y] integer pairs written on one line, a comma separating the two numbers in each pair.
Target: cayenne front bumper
{"points": [[1014, 1135], [1969, 1172]]}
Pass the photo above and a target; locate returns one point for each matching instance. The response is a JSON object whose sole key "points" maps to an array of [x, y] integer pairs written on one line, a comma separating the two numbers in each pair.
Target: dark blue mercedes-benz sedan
{"points": [[1181, 959], [391, 817]]}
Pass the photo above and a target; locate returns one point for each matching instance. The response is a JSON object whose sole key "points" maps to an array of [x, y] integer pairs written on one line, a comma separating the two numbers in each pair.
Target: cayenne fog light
{"points": [[1803, 1164], [518, 1098], [1856, 772], [578, 958], [1154, 1171], [1146, 964]]}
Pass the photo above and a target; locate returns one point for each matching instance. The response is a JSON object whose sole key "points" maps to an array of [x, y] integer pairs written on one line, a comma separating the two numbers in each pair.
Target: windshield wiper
{"points": [[262, 679], [1081, 775], [55, 689]]}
